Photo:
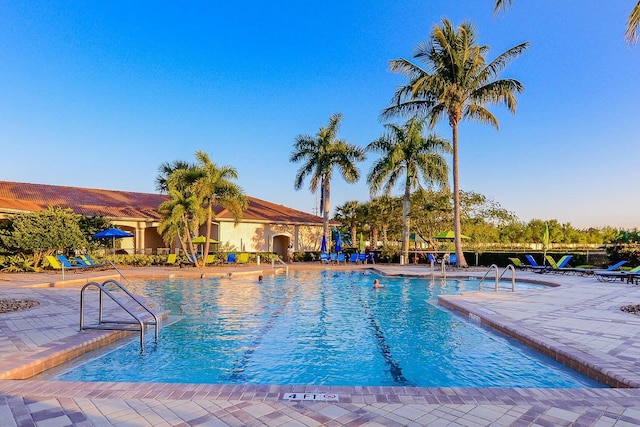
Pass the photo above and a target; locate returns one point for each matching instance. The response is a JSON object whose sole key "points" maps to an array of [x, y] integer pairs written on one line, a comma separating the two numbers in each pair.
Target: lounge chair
{"points": [[324, 258], [211, 259], [362, 258], [68, 264], [370, 259], [333, 258], [90, 261], [533, 265], [171, 259], [589, 271], [452, 259], [612, 276], [561, 265], [353, 258], [341, 259], [518, 264], [57, 264], [231, 258], [243, 258]]}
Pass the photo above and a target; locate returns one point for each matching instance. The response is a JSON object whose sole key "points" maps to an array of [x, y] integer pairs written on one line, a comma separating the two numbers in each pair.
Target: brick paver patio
{"points": [[579, 322]]}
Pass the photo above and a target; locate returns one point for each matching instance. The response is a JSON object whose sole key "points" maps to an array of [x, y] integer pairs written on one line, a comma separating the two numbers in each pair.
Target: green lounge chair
{"points": [[560, 266]]}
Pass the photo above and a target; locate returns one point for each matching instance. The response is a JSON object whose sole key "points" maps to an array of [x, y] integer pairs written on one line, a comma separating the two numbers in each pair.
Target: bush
{"points": [[19, 263]]}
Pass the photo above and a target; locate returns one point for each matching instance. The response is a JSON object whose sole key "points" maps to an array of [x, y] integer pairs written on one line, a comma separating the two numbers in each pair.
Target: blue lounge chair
{"points": [[362, 258], [341, 259], [452, 259], [68, 264], [231, 258], [353, 258], [370, 258], [432, 258], [611, 276], [57, 264], [589, 271], [324, 258], [333, 258]]}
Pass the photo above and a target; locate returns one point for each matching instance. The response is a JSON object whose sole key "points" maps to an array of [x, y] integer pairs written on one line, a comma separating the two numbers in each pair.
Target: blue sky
{"points": [[99, 94]]}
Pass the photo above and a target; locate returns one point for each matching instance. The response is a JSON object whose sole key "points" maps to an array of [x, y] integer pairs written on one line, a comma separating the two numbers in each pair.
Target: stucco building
{"points": [[264, 227]]}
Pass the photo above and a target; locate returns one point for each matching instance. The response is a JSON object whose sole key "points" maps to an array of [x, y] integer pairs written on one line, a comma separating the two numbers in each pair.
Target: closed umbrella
{"points": [[323, 245], [545, 241], [338, 243], [113, 234]]}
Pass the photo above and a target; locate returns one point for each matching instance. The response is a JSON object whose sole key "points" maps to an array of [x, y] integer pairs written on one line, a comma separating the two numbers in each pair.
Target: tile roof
{"points": [[18, 196]]}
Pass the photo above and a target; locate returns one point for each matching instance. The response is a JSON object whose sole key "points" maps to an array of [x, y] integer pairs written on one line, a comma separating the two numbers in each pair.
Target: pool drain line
{"points": [[394, 367], [238, 373]]}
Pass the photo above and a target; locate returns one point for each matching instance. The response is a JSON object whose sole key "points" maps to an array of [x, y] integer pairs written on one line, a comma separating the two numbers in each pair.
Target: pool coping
{"points": [[600, 368]]}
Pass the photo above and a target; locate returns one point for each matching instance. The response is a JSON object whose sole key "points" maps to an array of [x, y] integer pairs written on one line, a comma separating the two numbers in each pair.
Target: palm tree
{"points": [[633, 22], [405, 151], [349, 214], [179, 215], [630, 33], [165, 169], [320, 155], [457, 83], [213, 186]]}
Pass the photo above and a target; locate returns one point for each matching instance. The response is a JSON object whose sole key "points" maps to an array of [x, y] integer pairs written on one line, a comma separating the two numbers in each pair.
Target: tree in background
{"points": [[349, 215], [214, 186], [456, 83], [43, 233], [409, 157], [194, 190], [321, 154]]}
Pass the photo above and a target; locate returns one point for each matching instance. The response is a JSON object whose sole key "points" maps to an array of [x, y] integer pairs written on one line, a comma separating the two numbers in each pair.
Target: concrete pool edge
{"points": [[600, 367]]}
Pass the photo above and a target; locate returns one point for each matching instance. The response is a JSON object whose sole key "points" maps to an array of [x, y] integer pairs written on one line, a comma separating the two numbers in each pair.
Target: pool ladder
{"points": [[499, 276], [138, 322]]}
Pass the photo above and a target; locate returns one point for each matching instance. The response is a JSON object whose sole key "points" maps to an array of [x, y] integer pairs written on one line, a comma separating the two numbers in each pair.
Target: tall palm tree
{"points": [[457, 83], [630, 33], [214, 186], [321, 154], [406, 152]]}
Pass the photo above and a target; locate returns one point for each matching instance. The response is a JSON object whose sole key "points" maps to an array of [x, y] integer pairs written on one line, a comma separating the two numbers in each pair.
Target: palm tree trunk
{"points": [[326, 190], [207, 242], [460, 261], [406, 205], [190, 242]]}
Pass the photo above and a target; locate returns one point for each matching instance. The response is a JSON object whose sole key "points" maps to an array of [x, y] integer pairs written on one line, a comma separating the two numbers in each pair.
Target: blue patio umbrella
{"points": [[113, 234], [338, 243], [323, 245]]}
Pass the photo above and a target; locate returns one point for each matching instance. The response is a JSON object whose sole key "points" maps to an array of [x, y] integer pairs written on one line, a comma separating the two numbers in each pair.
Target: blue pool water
{"points": [[324, 328]]}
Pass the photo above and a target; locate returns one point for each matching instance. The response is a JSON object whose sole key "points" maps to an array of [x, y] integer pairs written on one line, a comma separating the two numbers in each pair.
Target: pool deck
{"points": [[578, 322]]}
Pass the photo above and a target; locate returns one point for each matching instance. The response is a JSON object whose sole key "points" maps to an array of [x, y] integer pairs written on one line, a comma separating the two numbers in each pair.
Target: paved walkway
{"points": [[579, 322]]}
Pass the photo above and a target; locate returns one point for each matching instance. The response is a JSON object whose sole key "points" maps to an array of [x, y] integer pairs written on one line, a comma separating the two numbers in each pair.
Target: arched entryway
{"points": [[280, 244]]}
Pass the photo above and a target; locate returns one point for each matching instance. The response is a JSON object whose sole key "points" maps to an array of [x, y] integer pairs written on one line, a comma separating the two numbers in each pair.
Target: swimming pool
{"points": [[322, 328]]}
